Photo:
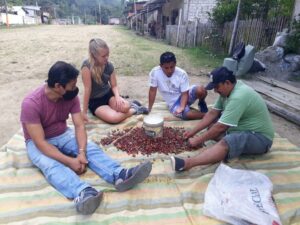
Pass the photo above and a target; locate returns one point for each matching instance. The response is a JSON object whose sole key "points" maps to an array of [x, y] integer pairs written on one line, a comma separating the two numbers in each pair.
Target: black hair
{"points": [[61, 73], [167, 57]]}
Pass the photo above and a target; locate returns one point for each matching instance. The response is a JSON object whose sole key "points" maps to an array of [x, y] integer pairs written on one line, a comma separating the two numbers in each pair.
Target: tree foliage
{"points": [[225, 10], [293, 40], [90, 11]]}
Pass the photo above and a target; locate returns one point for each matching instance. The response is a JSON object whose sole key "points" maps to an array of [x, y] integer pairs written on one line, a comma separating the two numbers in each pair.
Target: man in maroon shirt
{"points": [[60, 153]]}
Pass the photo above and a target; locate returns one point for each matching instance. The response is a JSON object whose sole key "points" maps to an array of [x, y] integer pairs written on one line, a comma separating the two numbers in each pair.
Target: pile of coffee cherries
{"points": [[134, 141]]}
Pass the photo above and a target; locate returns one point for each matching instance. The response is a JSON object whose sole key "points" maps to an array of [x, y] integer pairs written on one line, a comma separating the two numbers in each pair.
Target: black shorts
{"points": [[96, 102]]}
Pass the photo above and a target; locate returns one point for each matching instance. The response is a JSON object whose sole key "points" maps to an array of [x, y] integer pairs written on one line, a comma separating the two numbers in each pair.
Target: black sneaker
{"points": [[142, 110], [88, 201], [139, 109], [136, 102], [128, 178], [177, 164], [202, 106], [134, 106]]}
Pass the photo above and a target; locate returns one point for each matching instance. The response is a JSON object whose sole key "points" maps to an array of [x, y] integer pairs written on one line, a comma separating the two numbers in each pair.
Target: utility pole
{"points": [[99, 12], [235, 28], [7, 22], [54, 9]]}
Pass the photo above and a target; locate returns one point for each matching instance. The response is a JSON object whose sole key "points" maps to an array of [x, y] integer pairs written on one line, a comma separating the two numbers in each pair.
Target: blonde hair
{"points": [[95, 46]]}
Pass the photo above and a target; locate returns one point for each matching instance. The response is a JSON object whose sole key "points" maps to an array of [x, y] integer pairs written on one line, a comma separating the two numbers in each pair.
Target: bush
{"points": [[223, 12], [293, 39]]}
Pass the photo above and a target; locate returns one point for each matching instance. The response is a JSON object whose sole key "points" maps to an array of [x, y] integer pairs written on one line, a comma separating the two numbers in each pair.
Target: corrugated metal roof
{"points": [[155, 2], [32, 7], [152, 5]]}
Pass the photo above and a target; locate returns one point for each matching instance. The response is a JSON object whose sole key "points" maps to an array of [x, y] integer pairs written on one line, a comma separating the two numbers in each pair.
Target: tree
{"points": [[225, 10]]}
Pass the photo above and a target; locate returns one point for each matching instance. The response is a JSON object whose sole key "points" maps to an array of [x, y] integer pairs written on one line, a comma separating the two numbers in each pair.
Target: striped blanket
{"points": [[163, 198]]}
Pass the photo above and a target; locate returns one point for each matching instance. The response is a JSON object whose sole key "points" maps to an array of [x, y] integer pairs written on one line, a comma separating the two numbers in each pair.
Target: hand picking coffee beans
{"points": [[134, 141]]}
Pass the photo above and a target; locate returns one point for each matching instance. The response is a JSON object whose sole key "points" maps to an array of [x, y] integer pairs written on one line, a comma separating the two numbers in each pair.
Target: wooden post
{"points": [[7, 20], [235, 28], [179, 23], [147, 20], [195, 32], [143, 26], [135, 14]]}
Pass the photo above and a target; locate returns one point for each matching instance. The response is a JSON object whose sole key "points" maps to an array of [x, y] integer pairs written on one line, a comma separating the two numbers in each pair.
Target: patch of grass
{"points": [[141, 54], [203, 57]]}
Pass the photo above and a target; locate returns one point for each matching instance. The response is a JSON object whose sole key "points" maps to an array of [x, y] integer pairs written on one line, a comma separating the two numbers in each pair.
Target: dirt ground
{"points": [[27, 54]]}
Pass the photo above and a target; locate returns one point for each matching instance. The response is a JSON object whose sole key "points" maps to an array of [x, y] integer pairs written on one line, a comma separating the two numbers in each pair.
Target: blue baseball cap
{"points": [[219, 75]]}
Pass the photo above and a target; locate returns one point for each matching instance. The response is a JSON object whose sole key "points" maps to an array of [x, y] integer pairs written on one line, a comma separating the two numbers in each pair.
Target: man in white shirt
{"points": [[173, 84]]}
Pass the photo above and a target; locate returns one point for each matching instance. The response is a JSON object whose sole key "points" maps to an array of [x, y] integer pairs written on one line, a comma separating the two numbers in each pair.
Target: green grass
{"points": [[14, 26], [144, 52], [205, 58]]}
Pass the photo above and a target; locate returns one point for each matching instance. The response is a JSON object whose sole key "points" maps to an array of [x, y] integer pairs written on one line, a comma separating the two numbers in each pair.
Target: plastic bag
{"points": [[239, 51], [280, 39], [240, 197], [257, 66]]}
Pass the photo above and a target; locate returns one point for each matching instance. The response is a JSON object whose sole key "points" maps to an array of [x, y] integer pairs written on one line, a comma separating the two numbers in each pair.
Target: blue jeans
{"points": [[63, 178]]}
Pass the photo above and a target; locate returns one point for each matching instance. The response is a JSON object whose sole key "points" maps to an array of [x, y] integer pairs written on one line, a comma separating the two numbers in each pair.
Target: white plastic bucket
{"points": [[153, 126]]}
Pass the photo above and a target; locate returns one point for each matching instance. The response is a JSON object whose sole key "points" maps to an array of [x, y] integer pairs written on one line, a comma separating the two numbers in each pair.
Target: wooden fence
{"points": [[191, 35], [256, 32]]}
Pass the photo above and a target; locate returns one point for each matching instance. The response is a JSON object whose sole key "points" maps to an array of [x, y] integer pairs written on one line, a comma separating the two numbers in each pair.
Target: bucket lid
{"points": [[153, 120]]}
